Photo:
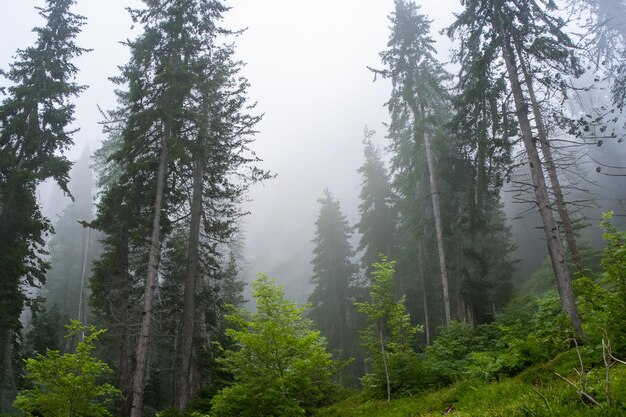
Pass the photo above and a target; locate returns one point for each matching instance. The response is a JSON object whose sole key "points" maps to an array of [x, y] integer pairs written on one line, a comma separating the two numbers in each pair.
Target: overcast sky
{"points": [[306, 62]]}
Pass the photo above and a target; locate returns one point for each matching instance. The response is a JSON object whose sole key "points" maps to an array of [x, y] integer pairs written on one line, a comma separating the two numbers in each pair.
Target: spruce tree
{"points": [[517, 33], [333, 274], [34, 120], [378, 219]]}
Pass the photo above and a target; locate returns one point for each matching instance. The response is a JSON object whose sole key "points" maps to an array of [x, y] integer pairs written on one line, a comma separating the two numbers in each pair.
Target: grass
{"points": [[535, 392]]}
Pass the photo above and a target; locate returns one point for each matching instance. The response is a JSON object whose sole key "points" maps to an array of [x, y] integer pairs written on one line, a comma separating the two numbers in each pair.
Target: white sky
{"points": [[306, 61]]}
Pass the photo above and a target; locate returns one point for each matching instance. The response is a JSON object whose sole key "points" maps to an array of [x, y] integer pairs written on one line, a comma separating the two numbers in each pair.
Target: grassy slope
{"points": [[535, 392]]}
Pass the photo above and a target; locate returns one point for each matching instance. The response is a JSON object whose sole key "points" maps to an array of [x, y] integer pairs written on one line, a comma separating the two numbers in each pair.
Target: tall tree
{"points": [[333, 273], [378, 219], [501, 26], [34, 118], [181, 157], [419, 107], [73, 248]]}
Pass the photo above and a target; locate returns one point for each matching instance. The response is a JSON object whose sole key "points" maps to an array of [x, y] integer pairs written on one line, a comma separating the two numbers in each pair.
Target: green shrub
{"points": [[68, 384]]}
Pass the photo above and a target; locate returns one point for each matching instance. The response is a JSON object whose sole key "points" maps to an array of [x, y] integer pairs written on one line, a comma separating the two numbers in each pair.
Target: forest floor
{"points": [[537, 391]]}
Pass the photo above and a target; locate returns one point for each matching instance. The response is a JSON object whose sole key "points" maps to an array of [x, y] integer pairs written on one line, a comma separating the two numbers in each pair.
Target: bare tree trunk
{"points": [[421, 260], [383, 352], [81, 292], [6, 363], [143, 343], [438, 228], [568, 229], [184, 380], [555, 249]]}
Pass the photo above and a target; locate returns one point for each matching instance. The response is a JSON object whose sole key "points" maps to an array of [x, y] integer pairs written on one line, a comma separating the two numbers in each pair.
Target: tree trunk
{"points": [[421, 260], [6, 364], [568, 229], [81, 291], [384, 354], [143, 343], [438, 228], [184, 380], [555, 249]]}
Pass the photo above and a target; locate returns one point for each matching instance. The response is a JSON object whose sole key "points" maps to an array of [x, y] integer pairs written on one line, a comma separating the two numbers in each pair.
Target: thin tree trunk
{"points": [[81, 292], [143, 343], [555, 249], [568, 229], [420, 261], [6, 358], [438, 228], [384, 354], [184, 384]]}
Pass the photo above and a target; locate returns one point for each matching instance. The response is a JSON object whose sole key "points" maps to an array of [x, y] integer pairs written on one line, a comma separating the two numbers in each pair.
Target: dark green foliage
{"points": [[45, 330], [332, 299], [378, 218], [280, 365], [34, 117]]}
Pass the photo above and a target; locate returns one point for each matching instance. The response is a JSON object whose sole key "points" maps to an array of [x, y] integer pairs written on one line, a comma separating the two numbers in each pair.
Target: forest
{"points": [[482, 273]]}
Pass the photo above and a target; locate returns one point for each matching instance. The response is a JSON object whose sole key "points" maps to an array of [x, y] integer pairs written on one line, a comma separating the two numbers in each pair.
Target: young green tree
{"points": [[280, 364], [389, 333], [68, 384], [34, 117], [331, 300]]}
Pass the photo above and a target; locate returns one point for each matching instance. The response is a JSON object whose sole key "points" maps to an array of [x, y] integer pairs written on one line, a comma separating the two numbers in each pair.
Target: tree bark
{"points": [[143, 343], [555, 249], [383, 352], [421, 260], [184, 383], [568, 229], [438, 228]]}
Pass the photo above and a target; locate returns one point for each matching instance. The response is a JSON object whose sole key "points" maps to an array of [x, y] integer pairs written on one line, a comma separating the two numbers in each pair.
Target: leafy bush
{"points": [[281, 366], [67, 385], [408, 375]]}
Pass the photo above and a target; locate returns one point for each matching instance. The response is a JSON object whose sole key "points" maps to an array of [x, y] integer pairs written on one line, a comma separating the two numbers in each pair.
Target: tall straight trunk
{"points": [[568, 229], [81, 291], [383, 352], [6, 364], [184, 379], [438, 228], [145, 328], [555, 249], [421, 259]]}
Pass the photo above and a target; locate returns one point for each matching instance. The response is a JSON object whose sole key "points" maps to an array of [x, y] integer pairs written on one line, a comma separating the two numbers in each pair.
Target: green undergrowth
{"points": [[537, 391]]}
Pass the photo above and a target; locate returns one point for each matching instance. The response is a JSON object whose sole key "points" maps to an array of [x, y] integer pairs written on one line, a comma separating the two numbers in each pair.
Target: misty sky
{"points": [[306, 62]]}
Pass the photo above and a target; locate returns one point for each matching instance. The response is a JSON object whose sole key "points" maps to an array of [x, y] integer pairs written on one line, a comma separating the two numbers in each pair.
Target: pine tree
{"points": [[378, 220], [181, 163], [333, 274], [419, 107], [514, 32], [34, 118]]}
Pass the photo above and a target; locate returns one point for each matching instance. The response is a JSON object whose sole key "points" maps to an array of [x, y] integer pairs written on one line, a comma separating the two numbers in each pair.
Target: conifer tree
{"points": [[182, 162], [34, 120], [378, 220], [516, 32], [333, 274], [419, 108]]}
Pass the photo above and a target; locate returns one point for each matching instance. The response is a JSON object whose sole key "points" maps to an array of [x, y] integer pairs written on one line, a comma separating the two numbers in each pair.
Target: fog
{"points": [[307, 65], [306, 62]]}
